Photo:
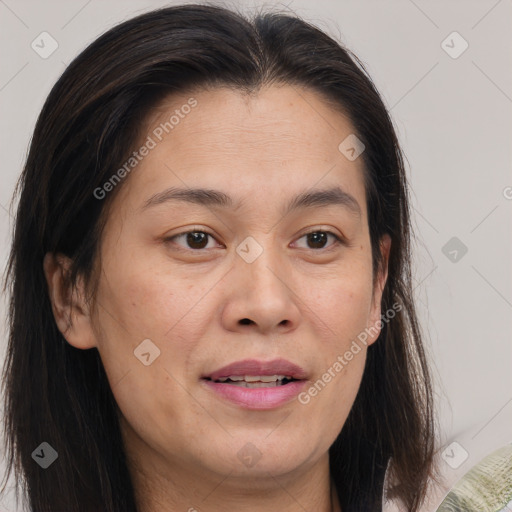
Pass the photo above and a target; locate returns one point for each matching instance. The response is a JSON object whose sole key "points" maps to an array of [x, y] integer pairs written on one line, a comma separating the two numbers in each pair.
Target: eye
{"points": [[195, 240], [318, 238]]}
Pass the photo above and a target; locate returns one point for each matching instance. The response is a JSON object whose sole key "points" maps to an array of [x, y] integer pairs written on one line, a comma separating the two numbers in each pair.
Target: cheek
{"points": [[340, 311], [329, 399], [140, 313], [153, 415], [140, 308], [340, 305], [148, 303]]}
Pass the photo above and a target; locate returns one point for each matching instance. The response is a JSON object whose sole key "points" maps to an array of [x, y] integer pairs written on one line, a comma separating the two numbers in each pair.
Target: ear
{"points": [[374, 326], [70, 309]]}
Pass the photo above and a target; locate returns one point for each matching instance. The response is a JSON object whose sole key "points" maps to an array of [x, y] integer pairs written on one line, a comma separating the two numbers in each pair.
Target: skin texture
{"points": [[307, 300]]}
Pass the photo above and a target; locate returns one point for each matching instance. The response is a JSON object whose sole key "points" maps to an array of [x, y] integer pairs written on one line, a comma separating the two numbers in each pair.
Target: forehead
{"points": [[262, 145], [277, 116]]}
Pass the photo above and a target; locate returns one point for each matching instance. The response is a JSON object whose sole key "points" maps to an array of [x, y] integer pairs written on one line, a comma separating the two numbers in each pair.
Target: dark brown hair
{"points": [[87, 127]]}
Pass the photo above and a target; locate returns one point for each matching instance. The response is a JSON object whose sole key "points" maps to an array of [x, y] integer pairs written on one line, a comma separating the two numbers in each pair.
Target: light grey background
{"points": [[453, 117]]}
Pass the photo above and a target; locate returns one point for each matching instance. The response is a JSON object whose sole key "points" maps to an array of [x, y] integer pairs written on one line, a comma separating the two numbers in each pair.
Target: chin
{"points": [[261, 453]]}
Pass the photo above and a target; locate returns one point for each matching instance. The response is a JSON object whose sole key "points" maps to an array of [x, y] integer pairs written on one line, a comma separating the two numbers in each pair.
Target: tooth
{"points": [[244, 384], [252, 378], [240, 383], [260, 378], [261, 384], [267, 378], [255, 378]]}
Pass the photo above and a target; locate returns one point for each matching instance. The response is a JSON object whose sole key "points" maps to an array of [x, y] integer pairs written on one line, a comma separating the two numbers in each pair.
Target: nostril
{"points": [[245, 321]]}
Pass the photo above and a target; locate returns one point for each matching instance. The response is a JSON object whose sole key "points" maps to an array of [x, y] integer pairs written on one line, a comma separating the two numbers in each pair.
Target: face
{"points": [[194, 290]]}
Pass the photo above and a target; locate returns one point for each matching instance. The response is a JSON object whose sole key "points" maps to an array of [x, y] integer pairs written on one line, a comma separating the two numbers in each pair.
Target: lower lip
{"points": [[257, 398]]}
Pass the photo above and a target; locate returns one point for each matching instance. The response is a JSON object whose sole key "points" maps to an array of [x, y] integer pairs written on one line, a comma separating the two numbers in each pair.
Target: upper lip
{"points": [[255, 367]]}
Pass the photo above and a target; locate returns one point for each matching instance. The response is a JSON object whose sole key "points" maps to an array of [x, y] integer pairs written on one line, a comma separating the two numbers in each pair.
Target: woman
{"points": [[212, 305]]}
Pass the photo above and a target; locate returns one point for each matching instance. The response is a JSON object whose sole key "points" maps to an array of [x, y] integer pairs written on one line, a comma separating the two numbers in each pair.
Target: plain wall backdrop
{"points": [[452, 108]]}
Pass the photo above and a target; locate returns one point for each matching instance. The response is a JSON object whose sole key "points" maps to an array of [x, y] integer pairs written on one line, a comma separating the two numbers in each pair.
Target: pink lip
{"points": [[257, 398]]}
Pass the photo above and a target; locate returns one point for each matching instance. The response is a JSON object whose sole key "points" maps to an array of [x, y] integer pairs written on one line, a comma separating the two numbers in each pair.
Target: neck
{"points": [[165, 484]]}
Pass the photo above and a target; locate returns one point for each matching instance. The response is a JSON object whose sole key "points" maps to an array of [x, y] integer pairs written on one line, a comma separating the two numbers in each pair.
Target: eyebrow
{"points": [[312, 198]]}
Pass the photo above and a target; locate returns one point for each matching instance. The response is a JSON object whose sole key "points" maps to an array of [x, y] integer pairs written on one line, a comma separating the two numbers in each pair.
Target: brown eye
{"points": [[318, 239], [195, 240]]}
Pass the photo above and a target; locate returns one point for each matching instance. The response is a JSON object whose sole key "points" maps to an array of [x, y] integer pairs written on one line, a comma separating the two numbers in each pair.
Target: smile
{"points": [[258, 385], [261, 381]]}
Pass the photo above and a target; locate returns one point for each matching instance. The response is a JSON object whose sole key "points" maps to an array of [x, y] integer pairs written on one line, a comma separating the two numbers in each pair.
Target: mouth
{"points": [[253, 384], [256, 381]]}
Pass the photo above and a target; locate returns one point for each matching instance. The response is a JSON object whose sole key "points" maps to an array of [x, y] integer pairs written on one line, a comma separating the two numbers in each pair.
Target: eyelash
{"points": [[338, 240]]}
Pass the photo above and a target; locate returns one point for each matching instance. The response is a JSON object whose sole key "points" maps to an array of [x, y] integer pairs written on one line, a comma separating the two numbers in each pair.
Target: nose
{"points": [[261, 296]]}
